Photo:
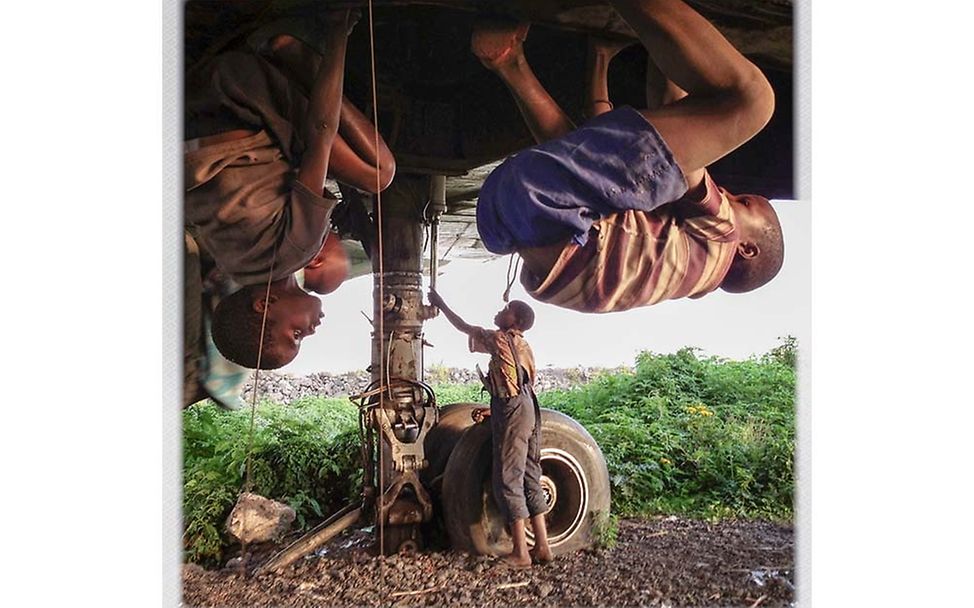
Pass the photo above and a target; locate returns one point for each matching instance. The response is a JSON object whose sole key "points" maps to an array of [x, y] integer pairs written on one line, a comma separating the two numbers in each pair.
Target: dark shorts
{"points": [[556, 190], [515, 424]]}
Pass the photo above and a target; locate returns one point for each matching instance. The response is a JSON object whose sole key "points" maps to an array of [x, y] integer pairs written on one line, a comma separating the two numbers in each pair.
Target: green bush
{"points": [[694, 436], [305, 454], [681, 434], [459, 393]]}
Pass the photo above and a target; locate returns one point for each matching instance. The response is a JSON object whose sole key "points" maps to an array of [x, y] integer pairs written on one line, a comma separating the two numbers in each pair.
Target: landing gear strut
{"points": [[416, 455], [403, 409]]}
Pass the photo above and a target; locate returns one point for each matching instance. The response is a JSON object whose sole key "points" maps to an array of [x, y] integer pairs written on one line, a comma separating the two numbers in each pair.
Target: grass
{"points": [[682, 434]]}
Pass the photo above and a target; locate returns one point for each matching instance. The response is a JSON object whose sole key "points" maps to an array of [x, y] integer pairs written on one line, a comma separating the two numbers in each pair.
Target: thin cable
{"points": [[248, 480], [378, 214], [511, 277], [392, 338]]}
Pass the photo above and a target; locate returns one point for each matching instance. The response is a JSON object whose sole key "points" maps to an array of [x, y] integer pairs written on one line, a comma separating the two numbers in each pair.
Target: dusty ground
{"points": [[657, 562]]}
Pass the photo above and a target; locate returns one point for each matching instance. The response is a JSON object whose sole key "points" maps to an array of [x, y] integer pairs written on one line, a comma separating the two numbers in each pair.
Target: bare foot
{"points": [[518, 562], [498, 43], [542, 556]]}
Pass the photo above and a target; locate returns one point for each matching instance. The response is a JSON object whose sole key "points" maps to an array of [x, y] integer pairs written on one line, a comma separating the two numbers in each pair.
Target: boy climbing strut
{"points": [[621, 211], [515, 422]]}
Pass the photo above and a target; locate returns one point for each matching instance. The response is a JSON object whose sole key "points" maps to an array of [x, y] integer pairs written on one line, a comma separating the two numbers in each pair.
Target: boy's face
{"points": [[294, 316], [751, 212], [505, 318]]}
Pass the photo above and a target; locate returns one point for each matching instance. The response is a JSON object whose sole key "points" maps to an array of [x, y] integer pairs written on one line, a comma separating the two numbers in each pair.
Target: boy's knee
{"points": [[755, 100]]}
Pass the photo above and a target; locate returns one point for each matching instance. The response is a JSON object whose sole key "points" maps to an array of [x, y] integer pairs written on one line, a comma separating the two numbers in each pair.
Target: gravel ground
{"points": [[657, 562]]}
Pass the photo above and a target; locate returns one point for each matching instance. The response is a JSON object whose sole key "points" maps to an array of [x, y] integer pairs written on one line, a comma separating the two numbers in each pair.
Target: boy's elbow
{"points": [[377, 182], [387, 171]]}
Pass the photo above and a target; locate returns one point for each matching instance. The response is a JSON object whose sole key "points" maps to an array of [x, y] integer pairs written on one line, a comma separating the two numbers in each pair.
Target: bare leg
{"points": [[519, 557], [728, 98], [660, 90], [541, 551], [600, 54], [499, 47]]}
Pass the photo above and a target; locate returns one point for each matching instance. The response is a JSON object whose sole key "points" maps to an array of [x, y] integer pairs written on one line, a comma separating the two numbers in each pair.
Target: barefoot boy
{"points": [[515, 423], [621, 212], [263, 131]]}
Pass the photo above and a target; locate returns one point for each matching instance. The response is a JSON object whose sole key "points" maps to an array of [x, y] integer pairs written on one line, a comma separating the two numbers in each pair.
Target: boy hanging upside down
{"points": [[621, 211], [515, 424], [263, 130]]}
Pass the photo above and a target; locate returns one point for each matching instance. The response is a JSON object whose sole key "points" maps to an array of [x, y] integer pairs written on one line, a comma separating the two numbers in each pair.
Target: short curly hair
{"points": [[523, 314], [749, 274], [236, 332]]}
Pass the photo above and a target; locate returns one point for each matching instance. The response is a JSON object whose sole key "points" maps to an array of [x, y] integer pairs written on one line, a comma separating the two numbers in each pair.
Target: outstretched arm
{"points": [[452, 317], [728, 98], [324, 105]]}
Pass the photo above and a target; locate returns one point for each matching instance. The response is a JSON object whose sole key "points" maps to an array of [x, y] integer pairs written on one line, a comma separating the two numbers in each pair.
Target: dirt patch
{"points": [[657, 562]]}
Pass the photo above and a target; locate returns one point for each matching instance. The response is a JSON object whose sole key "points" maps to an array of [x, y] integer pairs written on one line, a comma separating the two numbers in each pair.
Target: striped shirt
{"points": [[637, 258], [502, 371]]}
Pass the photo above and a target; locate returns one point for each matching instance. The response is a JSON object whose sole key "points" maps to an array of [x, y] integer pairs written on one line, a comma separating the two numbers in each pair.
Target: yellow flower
{"points": [[700, 410], [665, 461]]}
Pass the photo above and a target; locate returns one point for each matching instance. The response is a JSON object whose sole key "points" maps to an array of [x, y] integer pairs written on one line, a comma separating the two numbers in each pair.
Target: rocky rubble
{"points": [[657, 562], [284, 388]]}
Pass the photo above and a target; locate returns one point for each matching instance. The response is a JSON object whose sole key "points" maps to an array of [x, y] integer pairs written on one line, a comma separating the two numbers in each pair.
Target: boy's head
{"points": [[760, 247], [292, 314], [329, 268], [516, 315]]}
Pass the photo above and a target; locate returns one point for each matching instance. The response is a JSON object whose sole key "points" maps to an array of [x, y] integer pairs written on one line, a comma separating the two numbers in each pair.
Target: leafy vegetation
{"points": [[682, 434], [305, 454], [606, 530], [695, 436]]}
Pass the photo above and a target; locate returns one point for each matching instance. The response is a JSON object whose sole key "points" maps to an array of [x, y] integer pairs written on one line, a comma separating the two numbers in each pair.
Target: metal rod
{"points": [[434, 258], [321, 534], [437, 208]]}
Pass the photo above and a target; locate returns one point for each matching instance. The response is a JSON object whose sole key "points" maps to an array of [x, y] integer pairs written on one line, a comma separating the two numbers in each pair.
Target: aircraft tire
{"points": [[575, 480]]}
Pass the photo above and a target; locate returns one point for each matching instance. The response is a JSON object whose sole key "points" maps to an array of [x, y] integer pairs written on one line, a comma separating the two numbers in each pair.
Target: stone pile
{"points": [[284, 388]]}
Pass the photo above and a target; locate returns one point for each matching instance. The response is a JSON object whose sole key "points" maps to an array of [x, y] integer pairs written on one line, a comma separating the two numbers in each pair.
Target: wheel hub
{"points": [[550, 491], [566, 492]]}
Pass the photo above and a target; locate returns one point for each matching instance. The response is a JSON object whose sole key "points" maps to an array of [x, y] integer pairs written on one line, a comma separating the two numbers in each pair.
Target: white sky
{"points": [[728, 325]]}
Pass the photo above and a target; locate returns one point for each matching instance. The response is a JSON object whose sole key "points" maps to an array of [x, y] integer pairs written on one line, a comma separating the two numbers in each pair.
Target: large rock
{"points": [[256, 519]]}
